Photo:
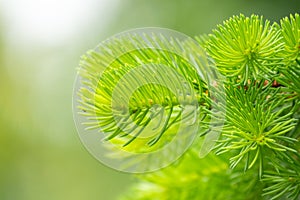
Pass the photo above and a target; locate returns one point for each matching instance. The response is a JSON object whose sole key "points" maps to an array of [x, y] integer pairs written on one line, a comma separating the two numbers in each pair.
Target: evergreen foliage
{"points": [[258, 153]]}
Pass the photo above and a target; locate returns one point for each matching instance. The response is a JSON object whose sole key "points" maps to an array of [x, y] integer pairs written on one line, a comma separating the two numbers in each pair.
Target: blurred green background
{"points": [[41, 42]]}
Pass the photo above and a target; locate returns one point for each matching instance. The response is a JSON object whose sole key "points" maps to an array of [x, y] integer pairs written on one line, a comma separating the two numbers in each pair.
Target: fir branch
{"points": [[283, 179], [290, 30], [261, 105], [197, 179], [255, 122], [153, 110], [246, 47], [290, 70]]}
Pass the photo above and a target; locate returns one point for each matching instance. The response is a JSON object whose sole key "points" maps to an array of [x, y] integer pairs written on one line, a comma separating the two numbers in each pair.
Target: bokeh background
{"points": [[41, 41]]}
